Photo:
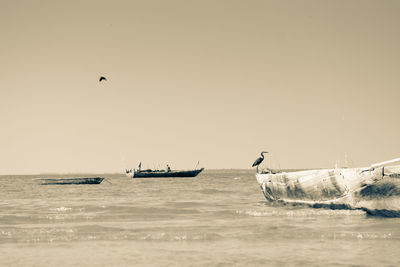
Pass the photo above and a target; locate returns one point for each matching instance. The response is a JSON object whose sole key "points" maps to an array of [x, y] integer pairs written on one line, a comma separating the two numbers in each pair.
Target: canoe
{"points": [[164, 174], [373, 189], [64, 181]]}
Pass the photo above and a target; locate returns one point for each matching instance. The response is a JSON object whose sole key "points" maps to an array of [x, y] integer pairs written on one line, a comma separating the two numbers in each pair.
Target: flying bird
{"points": [[259, 160], [102, 78]]}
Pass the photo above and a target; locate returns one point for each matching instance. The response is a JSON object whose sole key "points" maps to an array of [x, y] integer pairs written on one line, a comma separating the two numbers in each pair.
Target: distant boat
{"points": [[64, 181], [375, 189], [163, 173]]}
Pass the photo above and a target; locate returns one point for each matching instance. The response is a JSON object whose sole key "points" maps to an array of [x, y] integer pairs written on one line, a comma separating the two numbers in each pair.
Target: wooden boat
{"points": [[375, 189], [64, 181], [163, 173]]}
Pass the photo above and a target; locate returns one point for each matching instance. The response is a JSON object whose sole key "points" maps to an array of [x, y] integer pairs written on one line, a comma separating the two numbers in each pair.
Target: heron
{"points": [[259, 160], [102, 78]]}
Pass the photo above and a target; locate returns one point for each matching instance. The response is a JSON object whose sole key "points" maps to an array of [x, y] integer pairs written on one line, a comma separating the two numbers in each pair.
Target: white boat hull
{"points": [[359, 188]]}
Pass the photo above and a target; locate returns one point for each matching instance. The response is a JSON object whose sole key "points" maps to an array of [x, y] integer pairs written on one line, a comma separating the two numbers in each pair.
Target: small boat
{"points": [[163, 173], [374, 189], [61, 181]]}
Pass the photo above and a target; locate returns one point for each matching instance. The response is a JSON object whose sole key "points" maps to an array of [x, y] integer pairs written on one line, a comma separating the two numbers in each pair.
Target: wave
{"points": [[212, 191], [74, 233], [380, 207], [298, 212]]}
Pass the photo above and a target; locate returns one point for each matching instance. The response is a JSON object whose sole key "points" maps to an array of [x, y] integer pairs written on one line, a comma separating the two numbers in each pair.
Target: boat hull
{"points": [[166, 174], [373, 190], [66, 181]]}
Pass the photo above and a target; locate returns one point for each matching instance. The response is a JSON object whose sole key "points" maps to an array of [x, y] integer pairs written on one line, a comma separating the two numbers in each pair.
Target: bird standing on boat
{"points": [[102, 78], [259, 160]]}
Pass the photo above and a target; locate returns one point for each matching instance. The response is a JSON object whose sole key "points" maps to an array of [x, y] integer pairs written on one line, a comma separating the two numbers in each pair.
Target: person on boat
{"points": [[168, 168], [139, 167]]}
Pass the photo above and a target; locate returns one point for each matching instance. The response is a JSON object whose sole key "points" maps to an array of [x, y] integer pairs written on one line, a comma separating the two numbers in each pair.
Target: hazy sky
{"points": [[215, 81]]}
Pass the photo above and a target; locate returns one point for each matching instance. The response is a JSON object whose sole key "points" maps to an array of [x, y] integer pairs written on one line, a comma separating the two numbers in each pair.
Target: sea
{"points": [[219, 218]]}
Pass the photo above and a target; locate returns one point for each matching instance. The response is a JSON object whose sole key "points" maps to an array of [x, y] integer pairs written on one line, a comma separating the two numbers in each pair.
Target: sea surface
{"points": [[219, 218]]}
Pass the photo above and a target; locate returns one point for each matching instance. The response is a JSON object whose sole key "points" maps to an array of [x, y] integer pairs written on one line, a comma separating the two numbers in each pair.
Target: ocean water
{"points": [[219, 218]]}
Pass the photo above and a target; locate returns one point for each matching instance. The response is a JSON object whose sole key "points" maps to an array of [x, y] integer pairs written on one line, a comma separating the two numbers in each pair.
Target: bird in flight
{"points": [[102, 78]]}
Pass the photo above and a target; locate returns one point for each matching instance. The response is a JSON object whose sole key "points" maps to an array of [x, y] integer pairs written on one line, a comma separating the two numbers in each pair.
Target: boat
{"points": [[64, 181], [374, 189], [163, 173]]}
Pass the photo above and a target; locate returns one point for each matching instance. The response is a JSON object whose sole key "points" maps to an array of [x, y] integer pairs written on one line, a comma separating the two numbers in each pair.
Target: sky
{"points": [[211, 81]]}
